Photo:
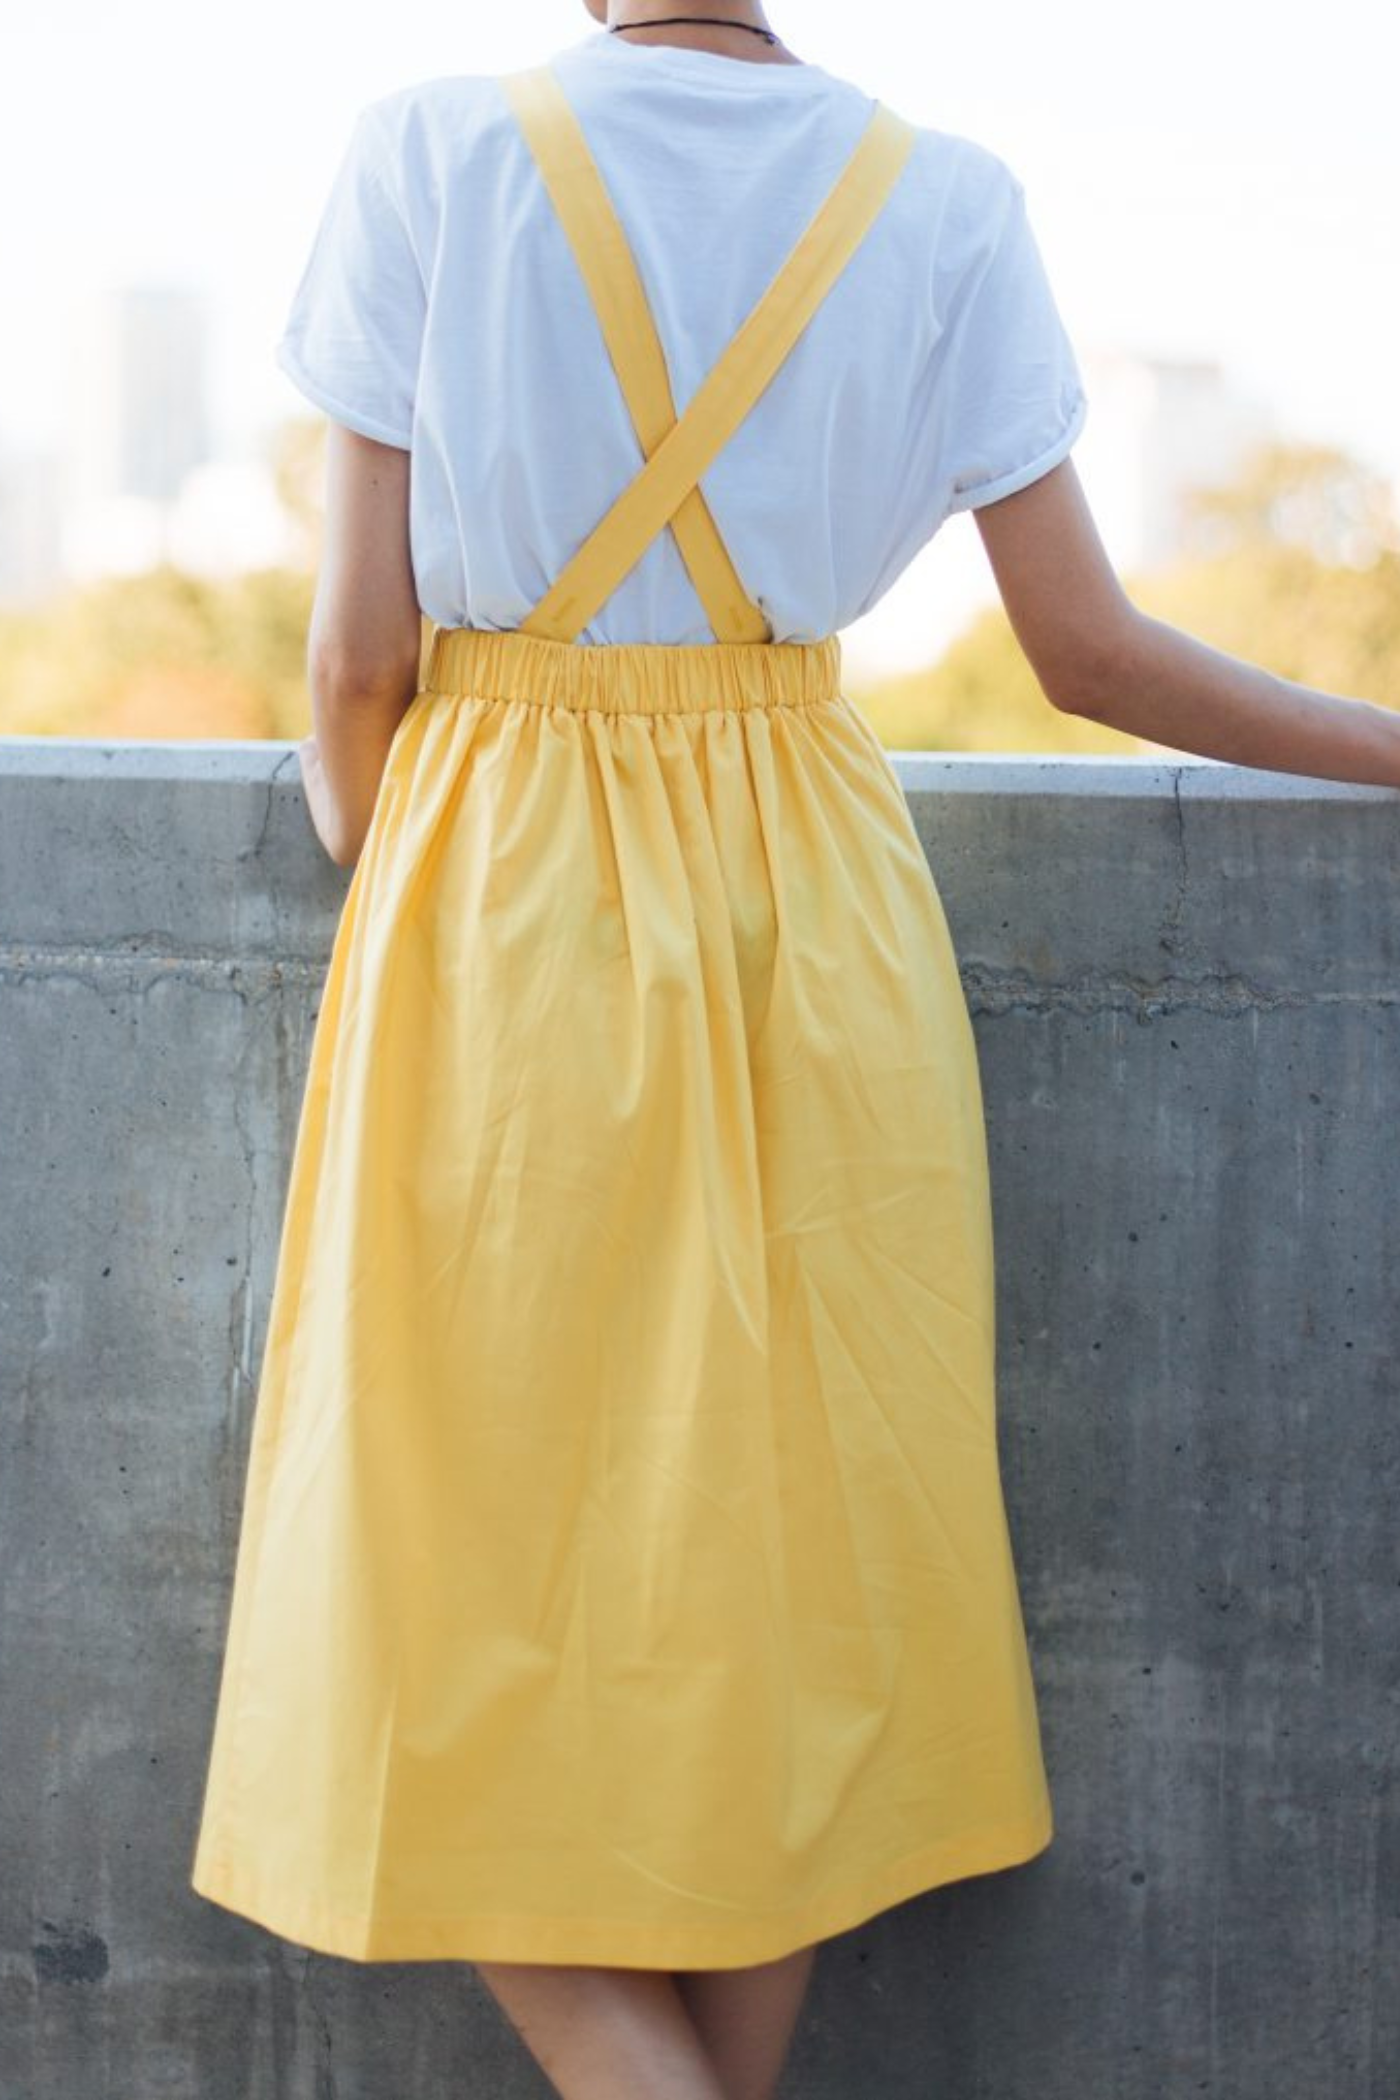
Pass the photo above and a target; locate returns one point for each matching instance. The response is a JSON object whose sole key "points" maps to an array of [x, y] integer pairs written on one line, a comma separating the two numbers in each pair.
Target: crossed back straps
{"points": [[677, 451]]}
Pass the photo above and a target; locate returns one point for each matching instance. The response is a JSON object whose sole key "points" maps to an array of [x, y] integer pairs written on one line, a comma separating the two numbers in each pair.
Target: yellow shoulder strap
{"points": [[681, 455], [605, 260]]}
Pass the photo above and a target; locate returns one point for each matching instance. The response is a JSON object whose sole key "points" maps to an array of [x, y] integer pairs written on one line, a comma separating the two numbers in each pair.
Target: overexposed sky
{"points": [[1217, 179]]}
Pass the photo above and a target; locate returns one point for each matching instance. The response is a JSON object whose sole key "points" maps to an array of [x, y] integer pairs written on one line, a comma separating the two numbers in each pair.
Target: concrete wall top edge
{"points": [[259, 760], [127, 758]]}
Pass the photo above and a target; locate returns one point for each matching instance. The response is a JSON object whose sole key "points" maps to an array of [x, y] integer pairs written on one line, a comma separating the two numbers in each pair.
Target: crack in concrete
{"points": [[137, 968], [989, 990], [326, 2088], [1170, 936], [270, 785], [1221, 992]]}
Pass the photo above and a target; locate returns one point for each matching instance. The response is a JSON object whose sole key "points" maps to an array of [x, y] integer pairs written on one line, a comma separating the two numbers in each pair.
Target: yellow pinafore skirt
{"points": [[624, 1575]]}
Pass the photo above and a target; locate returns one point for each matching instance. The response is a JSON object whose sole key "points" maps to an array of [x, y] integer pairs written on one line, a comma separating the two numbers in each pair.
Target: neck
{"points": [[727, 31]]}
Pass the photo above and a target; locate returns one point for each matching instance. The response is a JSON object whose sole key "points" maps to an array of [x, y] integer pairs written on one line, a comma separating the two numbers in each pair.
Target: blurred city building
{"points": [[139, 479], [1158, 428], [31, 527], [140, 425]]}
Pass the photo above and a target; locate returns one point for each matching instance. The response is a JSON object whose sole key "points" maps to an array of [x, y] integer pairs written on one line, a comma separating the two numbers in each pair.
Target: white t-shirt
{"points": [[441, 310]]}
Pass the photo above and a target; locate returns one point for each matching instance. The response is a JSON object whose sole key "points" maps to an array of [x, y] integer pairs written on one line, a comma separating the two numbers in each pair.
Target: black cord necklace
{"points": [[708, 21]]}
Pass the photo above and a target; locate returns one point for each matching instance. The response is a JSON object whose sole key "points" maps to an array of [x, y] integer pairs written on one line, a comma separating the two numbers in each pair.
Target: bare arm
{"points": [[1096, 654], [365, 640]]}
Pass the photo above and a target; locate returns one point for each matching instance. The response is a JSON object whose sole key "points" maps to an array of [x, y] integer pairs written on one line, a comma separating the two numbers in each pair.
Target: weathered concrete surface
{"points": [[1185, 984]]}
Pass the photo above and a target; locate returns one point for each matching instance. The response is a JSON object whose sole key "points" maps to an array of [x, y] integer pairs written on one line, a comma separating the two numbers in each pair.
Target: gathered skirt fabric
{"points": [[623, 1574]]}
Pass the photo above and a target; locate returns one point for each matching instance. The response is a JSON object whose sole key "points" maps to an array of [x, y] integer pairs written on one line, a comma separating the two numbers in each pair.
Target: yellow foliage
{"points": [[161, 654]]}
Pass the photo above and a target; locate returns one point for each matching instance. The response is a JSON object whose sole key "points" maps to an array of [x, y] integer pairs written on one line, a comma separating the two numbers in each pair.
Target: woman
{"points": [[624, 1601]]}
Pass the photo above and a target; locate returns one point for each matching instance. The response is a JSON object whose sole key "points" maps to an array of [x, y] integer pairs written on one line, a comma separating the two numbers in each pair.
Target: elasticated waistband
{"points": [[646, 678]]}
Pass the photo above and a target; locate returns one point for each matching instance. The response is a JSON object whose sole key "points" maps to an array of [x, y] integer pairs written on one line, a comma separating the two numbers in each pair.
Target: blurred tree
{"points": [[161, 654], [1316, 497]]}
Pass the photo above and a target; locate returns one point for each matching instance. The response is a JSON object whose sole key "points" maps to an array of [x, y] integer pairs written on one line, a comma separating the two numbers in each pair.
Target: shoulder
{"points": [[956, 201], [974, 189], [409, 132]]}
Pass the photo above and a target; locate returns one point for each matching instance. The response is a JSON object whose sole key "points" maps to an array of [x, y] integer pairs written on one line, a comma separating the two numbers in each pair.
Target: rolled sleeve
{"points": [[353, 336], [1012, 401]]}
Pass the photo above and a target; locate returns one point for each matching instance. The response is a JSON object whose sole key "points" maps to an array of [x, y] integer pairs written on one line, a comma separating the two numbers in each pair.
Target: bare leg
{"points": [[745, 2018], [604, 2034]]}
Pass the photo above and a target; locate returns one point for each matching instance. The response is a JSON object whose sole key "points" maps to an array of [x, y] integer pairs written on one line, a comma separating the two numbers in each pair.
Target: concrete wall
{"points": [[1186, 989]]}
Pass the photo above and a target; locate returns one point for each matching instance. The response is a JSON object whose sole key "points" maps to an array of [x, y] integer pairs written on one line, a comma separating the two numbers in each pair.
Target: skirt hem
{"points": [[589, 1940]]}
